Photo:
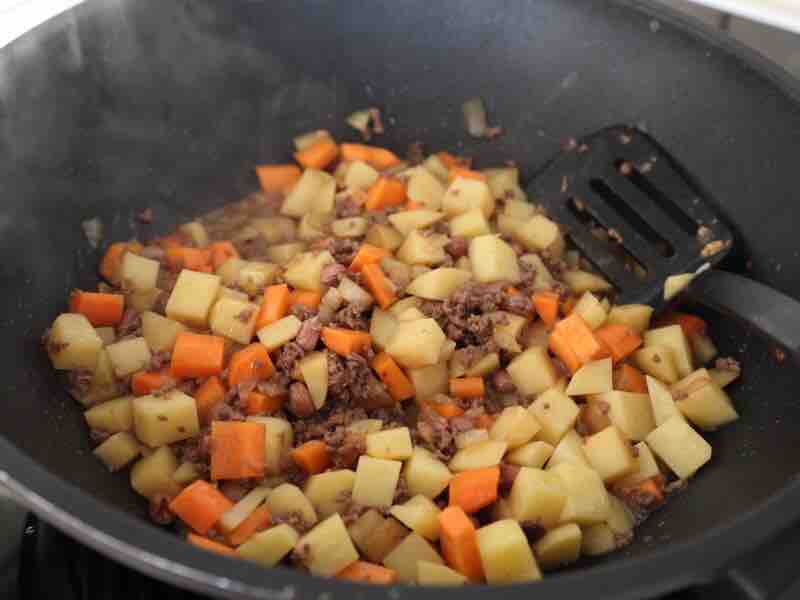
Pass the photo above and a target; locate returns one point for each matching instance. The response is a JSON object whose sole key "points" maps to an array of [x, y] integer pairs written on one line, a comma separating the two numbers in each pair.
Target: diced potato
{"points": [[314, 368], [330, 492], [723, 377], [465, 194], [350, 227], [657, 361], [104, 384], [515, 426], [118, 450], [73, 343], [416, 344], [363, 528], [507, 330], [196, 232], [425, 189], [470, 224], [675, 284], [399, 272], [631, 412], [493, 260], [598, 539], [533, 455], [313, 192], [405, 555], [505, 554], [160, 332], [703, 348], [501, 181], [587, 499], [152, 474], [661, 400], [327, 549], [540, 233], [501, 509], [160, 420], [420, 515], [592, 378], [620, 519], [429, 573], [582, 281], [107, 334], [143, 300], [384, 236], [138, 273], [673, 338], [304, 270], [376, 481], [268, 547], [276, 334], [382, 539], [275, 230], [288, 499], [425, 474], [479, 456], [230, 269], [392, 444], [465, 439], [313, 226], [485, 365], [255, 276], [543, 279], [412, 314], [438, 284], [532, 371], [404, 304], [360, 176], [233, 319], [537, 496], [112, 416], [556, 413], [306, 140], [436, 167], [365, 426], [634, 316], [703, 402], [506, 224], [610, 454], [278, 442], [407, 221], [592, 311], [560, 546], [282, 254], [237, 514], [382, 327], [680, 447], [353, 293], [421, 249], [570, 449], [129, 355], [186, 473], [192, 297], [646, 467]]}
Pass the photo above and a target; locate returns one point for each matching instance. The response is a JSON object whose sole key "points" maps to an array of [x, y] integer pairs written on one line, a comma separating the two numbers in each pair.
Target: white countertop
{"points": [[18, 16]]}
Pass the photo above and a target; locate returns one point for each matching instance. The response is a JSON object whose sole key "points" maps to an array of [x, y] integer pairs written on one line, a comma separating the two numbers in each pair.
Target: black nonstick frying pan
{"points": [[119, 105]]}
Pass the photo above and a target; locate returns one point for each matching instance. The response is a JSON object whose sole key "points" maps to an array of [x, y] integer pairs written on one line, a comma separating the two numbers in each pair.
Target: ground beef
{"points": [[308, 336], [351, 446], [224, 411], [197, 450], [352, 382], [457, 247], [187, 386], [159, 360], [300, 403], [461, 424], [288, 356], [352, 512], [401, 493], [98, 436], [728, 364], [518, 304], [508, 473], [303, 312], [130, 324], [380, 217], [346, 207], [330, 426], [533, 530], [342, 250], [502, 382], [252, 248], [79, 381], [464, 316], [434, 432], [159, 510], [277, 385], [352, 316], [332, 274]]}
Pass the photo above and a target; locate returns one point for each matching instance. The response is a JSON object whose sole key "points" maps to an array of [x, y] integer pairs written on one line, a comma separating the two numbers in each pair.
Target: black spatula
{"points": [[638, 217]]}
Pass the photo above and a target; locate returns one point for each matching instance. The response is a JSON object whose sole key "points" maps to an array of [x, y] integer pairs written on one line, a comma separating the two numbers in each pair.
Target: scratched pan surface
{"points": [[119, 105]]}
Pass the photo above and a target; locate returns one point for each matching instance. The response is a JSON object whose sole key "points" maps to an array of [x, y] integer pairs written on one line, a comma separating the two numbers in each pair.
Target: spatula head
{"points": [[632, 211]]}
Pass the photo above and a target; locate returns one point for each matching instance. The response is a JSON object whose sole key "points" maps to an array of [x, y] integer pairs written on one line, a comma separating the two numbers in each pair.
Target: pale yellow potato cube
{"points": [[308, 139], [129, 355], [421, 249], [425, 189], [350, 227], [401, 306], [313, 226], [493, 260], [436, 167], [118, 450], [592, 378], [313, 192], [407, 221], [631, 412], [556, 413], [505, 554], [392, 444], [536, 336], [327, 549], [236, 515], [723, 377], [501, 182], [533, 454], [365, 426], [508, 329], [434, 574], [570, 449], [598, 539], [287, 500], [274, 230], [680, 447], [353, 293], [543, 280], [583, 281], [407, 553], [268, 547], [138, 273], [425, 474], [228, 271], [376, 481], [587, 499], [281, 332], [192, 297], [515, 426], [634, 316], [703, 402], [485, 365], [160, 420], [382, 327], [438, 284], [330, 492], [673, 338], [470, 224], [465, 439], [234, 319], [152, 474], [73, 343], [591, 309], [303, 271], [111, 416], [104, 384], [384, 236], [559, 547], [463, 194], [186, 473], [506, 224], [412, 314], [420, 515], [478, 456], [661, 400], [196, 232], [107, 334], [540, 233], [279, 440], [314, 369], [160, 332], [538, 496], [282, 254], [360, 176], [646, 467], [254, 276], [417, 343], [363, 529], [381, 539], [658, 362], [532, 371], [610, 454], [620, 519]]}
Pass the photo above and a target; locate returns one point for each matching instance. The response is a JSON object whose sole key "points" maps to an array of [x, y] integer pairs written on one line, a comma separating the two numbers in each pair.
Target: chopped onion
{"points": [[93, 229], [475, 117], [243, 509]]}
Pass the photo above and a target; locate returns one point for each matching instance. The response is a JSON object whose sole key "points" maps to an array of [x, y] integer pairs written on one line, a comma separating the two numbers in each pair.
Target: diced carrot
{"points": [[210, 545], [459, 172], [546, 305], [379, 285], [197, 355], [200, 505], [237, 449], [629, 379], [483, 421], [475, 489], [387, 191], [691, 324], [313, 457], [467, 387], [100, 308], [251, 363], [308, 298], [207, 396], [459, 541], [367, 254], [512, 291], [345, 341], [257, 521], [380, 158], [276, 304], [620, 340], [260, 404], [319, 155], [413, 205], [448, 410], [360, 152], [648, 492], [194, 259], [109, 266], [573, 341], [365, 572], [396, 381], [277, 178], [221, 252], [171, 241], [147, 382]]}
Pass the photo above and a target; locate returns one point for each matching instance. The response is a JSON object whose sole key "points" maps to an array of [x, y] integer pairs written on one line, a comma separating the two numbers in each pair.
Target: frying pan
{"points": [[118, 105]]}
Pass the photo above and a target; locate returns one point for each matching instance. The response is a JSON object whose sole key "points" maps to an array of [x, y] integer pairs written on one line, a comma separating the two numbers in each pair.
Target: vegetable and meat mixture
{"points": [[384, 370]]}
